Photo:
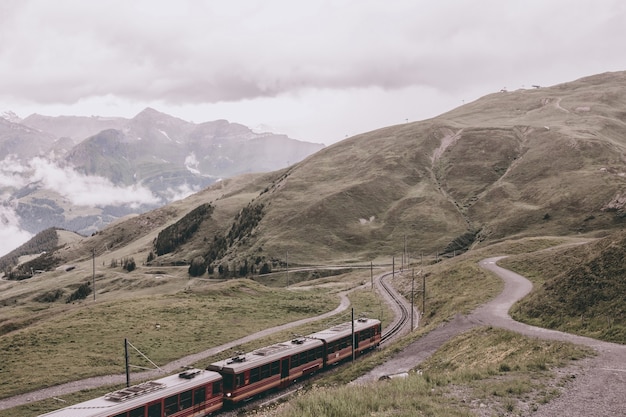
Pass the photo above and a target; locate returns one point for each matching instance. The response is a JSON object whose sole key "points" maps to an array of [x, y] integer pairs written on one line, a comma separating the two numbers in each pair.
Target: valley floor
{"points": [[595, 388]]}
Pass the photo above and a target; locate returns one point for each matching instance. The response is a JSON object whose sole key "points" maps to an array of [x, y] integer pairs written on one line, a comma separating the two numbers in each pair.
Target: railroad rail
{"points": [[404, 317]]}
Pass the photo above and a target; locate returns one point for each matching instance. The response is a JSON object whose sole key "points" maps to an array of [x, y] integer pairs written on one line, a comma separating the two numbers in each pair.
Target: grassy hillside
{"points": [[45, 241], [492, 177], [535, 162], [488, 377]]}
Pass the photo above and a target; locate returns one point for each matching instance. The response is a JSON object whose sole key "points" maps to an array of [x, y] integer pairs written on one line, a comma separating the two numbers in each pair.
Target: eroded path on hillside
{"points": [[599, 384]]}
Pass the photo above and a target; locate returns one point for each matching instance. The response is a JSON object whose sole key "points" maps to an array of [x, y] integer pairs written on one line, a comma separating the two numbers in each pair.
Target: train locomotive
{"points": [[227, 383]]}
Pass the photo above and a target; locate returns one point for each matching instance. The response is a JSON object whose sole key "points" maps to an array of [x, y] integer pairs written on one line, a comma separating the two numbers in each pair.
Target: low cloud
{"points": [[13, 173], [180, 192], [79, 189], [11, 236], [87, 190]]}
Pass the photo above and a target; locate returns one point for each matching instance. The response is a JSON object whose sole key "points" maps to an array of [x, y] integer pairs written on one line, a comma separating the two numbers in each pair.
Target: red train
{"points": [[197, 393]]}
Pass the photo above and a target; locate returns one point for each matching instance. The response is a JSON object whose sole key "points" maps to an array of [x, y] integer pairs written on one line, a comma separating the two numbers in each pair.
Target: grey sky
{"points": [[317, 70]]}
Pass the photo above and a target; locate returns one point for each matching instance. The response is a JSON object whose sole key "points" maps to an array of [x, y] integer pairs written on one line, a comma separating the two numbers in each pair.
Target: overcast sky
{"points": [[317, 70]]}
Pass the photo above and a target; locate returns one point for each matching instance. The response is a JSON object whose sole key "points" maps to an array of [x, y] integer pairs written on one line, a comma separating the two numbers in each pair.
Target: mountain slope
{"points": [[56, 177], [530, 162], [547, 161]]}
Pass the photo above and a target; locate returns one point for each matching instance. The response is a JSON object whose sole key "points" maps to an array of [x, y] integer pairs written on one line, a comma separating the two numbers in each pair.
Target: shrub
{"points": [[81, 293], [265, 269], [197, 267], [129, 264], [49, 296]]}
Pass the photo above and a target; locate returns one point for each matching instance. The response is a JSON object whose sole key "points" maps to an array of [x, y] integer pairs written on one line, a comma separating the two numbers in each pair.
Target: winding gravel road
{"points": [[599, 387]]}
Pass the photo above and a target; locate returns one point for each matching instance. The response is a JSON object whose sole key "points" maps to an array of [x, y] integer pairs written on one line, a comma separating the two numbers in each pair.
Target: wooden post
{"points": [[93, 274], [412, 298], [353, 335], [127, 365]]}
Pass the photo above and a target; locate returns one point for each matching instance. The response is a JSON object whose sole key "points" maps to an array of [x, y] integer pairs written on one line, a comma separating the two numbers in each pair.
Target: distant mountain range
{"points": [[81, 173]]}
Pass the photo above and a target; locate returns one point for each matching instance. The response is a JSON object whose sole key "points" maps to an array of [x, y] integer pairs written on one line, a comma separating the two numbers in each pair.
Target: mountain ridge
{"points": [[55, 163], [547, 161]]}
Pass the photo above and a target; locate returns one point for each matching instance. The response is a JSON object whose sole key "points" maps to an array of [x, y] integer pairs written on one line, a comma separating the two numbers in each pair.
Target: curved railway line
{"points": [[403, 312], [391, 296], [398, 325]]}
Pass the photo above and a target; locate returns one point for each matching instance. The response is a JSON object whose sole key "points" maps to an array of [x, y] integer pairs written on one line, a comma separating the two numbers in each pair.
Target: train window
{"points": [[265, 371], [199, 395], [239, 380], [255, 375], [171, 405], [217, 388], [120, 415], [294, 360], [154, 410], [185, 399], [275, 368], [138, 412], [229, 381]]}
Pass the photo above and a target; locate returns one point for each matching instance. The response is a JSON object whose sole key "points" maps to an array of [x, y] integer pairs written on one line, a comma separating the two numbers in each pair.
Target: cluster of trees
{"points": [[170, 238], [243, 225], [128, 264], [199, 267], [45, 262], [81, 293], [45, 241], [462, 243], [245, 221]]}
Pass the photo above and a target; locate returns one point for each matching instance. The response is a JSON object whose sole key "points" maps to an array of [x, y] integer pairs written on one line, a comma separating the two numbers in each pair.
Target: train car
{"points": [[193, 393], [338, 339], [276, 366]]}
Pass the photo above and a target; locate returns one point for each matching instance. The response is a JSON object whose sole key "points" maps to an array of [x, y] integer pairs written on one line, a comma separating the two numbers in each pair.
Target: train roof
{"points": [[344, 329], [265, 355], [137, 395]]}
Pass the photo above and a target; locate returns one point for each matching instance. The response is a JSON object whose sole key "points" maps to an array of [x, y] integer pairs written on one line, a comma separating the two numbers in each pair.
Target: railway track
{"points": [[403, 319]]}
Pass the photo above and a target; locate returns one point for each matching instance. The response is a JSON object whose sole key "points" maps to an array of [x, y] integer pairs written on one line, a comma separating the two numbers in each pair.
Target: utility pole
{"points": [[353, 334], [393, 267], [423, 293], [127, 365], [372, 274], [93, 274], [287, 266], [412, 297], [404, 255]]}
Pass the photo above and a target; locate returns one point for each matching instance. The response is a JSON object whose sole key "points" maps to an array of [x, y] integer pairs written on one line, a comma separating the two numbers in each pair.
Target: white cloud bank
{"points": [[78, 189], [11, 236], [88, 190]]}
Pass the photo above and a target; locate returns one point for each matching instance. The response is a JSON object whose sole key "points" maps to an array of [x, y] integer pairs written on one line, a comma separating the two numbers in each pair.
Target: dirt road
{"points": [[600, 383]]}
